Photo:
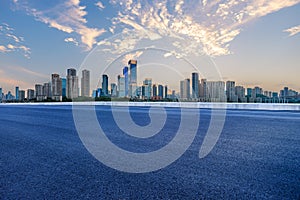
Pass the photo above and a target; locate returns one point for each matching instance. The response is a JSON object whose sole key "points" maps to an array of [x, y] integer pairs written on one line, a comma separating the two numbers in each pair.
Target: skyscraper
{"points": [[154, 91], [215, 91], [72, 84], [17, 93], [105, 85], [133, 77], [56, 87], [125, 74], [39, 92], [113, 90], [47, 90], [85, 83], [30, 94], [166, 91], [203, 89], [64, 87], [195, 85], [160, 91], [1, 95], [230, 91], [185, 89], [21, 95], [121, 86]]}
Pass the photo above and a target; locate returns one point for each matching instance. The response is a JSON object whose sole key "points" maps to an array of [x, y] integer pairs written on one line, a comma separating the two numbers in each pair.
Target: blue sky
{"points": [[254, 42]]}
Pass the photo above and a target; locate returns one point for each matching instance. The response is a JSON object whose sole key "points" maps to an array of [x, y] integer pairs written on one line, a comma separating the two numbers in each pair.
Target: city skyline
{"points": [[254, 43], [190, 89]]}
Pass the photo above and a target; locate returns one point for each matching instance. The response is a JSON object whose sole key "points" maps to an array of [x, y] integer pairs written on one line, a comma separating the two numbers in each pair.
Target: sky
{"points": [[255, 42]]}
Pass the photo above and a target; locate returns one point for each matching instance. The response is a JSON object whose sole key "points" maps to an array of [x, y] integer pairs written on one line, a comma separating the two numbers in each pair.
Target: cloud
{"points": [[100, 5], [293, 31], [68, 17], [204, 26], [72, 40], [10, 42], [3, 49], [131, 56]]}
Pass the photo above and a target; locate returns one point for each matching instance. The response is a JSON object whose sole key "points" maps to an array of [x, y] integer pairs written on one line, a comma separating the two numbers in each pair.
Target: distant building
{"points": [[195, 85], [125, 74], [215, 91], [185, 89], [160, 91], [47, 90], [132, 78], [202, 90], [21, 95], [240, 93], [30, 94], [121, 86], [230, 91], [166, 91], [154, 91], [39, 92], [147, 88], [72, 84], [64, 87], [1, 95], [56, 87], [105, 85], [113, 90], [85, 83], [17, 93]]}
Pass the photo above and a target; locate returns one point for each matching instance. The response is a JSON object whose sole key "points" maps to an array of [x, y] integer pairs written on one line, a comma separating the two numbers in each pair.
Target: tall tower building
{"points": [[1, 95], [30, 94], [133, 78], [85, 83], [154, 91], [230, 91], [113, 90], [121, 86], [125, 74], [72, 84], [39, 92], [203, 89], [17, 93], [64, 87], [56, 87], [185, 89], [160, 91], [195, 85], [105, 85], [166, 91]]}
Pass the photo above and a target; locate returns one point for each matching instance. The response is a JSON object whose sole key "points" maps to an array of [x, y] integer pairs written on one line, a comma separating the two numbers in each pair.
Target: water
{"points": [[257, 156]]}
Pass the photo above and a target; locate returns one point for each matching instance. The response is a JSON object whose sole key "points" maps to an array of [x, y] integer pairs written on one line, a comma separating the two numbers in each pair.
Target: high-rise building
{"points": [[166, 91], [195, 85], [240, 93], [147, 91], [1, 95], [121, 86], [21, 95], [30, 94], [154, 90], [185, 92], [285, 91], [160, 91], [39, 92], [215, 91], [132, 78], [56, 87], [72, 84], [202, 90], [105, 85], [47, 90], [113, 90], [85, 83], [17, 93], [230, 91], [125, 74], [64, 87]]}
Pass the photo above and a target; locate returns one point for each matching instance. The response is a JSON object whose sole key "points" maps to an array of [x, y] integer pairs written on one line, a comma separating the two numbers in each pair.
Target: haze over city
{"points": [[255, 43]]}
